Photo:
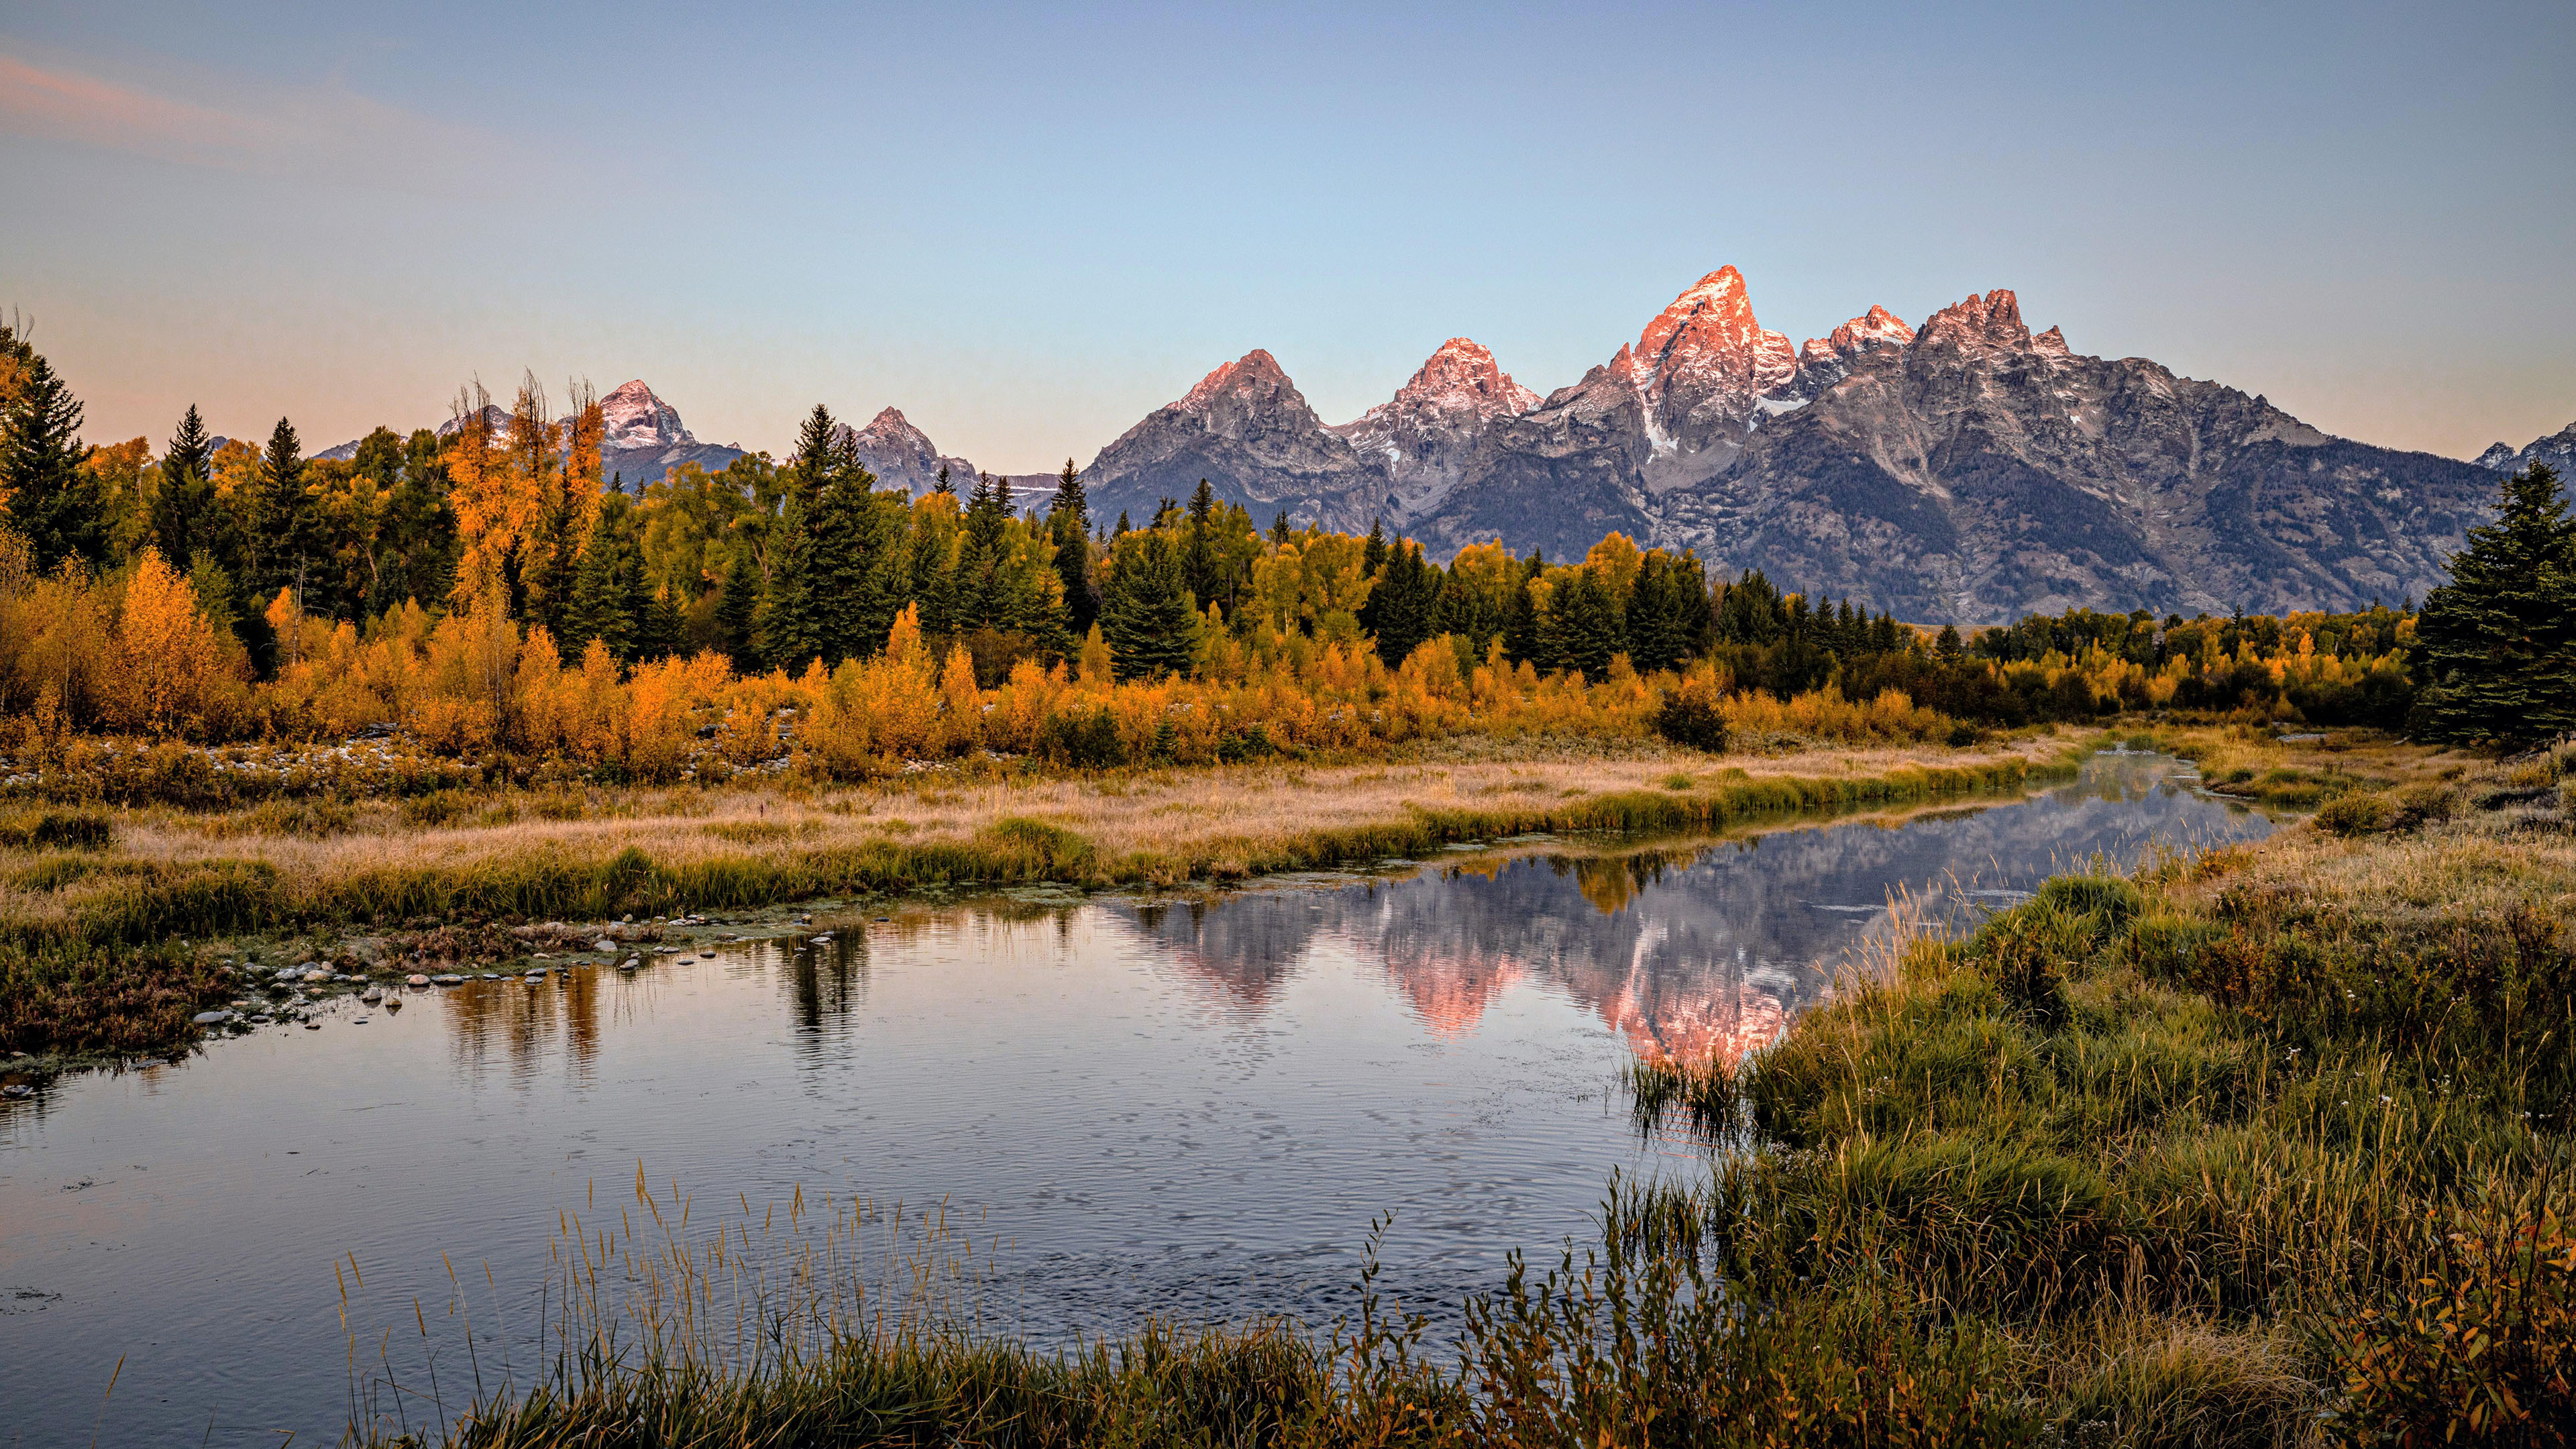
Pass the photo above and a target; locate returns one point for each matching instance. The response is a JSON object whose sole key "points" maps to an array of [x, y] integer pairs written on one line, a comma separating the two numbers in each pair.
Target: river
{"points": [[1192, 1108]]}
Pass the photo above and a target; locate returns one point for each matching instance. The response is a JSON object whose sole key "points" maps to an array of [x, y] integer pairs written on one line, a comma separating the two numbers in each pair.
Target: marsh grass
{"points": [[2262, 1146], [318, 866]]}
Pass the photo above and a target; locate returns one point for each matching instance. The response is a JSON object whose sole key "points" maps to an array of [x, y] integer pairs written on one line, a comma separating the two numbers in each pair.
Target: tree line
{"points": [[780, 564]]}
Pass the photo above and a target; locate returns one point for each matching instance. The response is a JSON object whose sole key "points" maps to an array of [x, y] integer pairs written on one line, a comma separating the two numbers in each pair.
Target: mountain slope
{"points": [[1247, 430], [1981, 472], [1428, 432]]}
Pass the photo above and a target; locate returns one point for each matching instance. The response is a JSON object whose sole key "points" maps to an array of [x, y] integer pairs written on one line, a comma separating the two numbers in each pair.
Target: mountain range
{"points": [[1965, 470]]}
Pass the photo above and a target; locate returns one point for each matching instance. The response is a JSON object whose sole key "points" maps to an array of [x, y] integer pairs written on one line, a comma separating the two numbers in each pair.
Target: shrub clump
{"points": [[1689, 716]]}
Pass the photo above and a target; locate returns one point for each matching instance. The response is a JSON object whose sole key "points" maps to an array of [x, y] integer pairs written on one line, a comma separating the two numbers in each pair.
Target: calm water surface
{"points": [[1187, 1109]]}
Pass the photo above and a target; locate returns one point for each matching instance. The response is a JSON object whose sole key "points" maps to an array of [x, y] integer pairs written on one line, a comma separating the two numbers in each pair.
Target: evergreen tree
{"points": [[934, 569], [600, 607], [1279, 530], [944, 485], [2496, 646], [183, 505], [1199, 567], [1948, 645], [1659, 634], [52, 502], [1521, 641], [792, 630], [421, 545], [1069, 524], [284, 528], [1373, 552], [1587, 624], [738, 610], [1145, 610], [1402, 604]]}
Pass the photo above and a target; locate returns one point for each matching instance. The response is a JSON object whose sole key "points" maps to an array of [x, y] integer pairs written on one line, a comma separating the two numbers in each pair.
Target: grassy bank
{"points": [[2263, 1148], [107, 944]]}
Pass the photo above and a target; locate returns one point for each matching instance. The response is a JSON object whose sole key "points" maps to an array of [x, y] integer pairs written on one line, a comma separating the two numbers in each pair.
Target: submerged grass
{"points": [[2263, 1147]]}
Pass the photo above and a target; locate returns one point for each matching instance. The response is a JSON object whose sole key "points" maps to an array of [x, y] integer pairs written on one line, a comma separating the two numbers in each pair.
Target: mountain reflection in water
{"points": [[1189, 1108], [1699, 948]]}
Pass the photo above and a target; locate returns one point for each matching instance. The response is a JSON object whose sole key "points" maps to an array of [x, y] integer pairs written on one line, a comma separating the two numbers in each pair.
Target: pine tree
{"points": [[1658, 631], [738, 610], [182, 505], [284, 516], [1279, 530], [1400, 607], [1521, 631], [2497, 645], [1948, 644], [792, 629], [1198, 551], [52, 502], [1069, 524], [1587, 624], [1145, 611], [944, 485], [600, 607]]}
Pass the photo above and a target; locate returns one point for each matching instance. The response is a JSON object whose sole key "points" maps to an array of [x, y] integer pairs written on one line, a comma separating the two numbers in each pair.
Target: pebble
{"points": [[419, 980], [393, 1003], [209, 1018], [448, 980], [312, 1026], [371, 996]]}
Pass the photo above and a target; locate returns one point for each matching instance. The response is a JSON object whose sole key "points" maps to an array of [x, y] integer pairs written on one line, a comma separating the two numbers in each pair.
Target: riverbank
{"points": [[2263, 1147], [112, 943]]}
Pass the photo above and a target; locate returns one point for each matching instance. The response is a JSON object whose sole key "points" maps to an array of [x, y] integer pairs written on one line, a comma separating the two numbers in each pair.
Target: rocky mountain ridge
{"points": [[1969, 470], [2558, 450]]}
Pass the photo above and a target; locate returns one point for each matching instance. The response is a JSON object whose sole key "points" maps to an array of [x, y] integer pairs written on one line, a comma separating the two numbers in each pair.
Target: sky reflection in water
{"points": [[1185, 1108]]}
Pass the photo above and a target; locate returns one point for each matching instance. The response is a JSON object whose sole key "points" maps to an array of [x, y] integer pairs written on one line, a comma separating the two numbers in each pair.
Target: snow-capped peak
{"points": [[636, 420], [1708, 339], [1462, 377]]}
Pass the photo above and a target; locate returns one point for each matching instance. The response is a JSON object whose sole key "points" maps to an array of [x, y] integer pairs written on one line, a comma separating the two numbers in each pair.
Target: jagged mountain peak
{"points": [[2558, 450], [1255, 371], [1993, 320], [1462, 376], [1710, 328], [638, 419]]}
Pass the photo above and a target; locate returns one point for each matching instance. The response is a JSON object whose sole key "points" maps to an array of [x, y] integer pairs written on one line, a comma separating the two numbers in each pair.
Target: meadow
{"points": [[2266, 1146]]}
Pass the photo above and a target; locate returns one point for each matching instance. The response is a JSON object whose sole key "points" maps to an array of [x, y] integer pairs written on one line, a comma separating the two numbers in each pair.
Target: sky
{"points": [[1028, 227]]}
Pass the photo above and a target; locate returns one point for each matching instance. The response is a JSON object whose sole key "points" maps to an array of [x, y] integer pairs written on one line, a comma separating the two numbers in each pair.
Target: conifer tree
{"points": [[792, 631], [944, 485], [1279, 529], [2497, 644], [182, 505], [1657, 631], [1400, 607], [738, 610], [52, 502], [283, 528], [1145, 610], [599, 608], [1586, 624], [1069, 524], [1198, 550], [1521, 631]]}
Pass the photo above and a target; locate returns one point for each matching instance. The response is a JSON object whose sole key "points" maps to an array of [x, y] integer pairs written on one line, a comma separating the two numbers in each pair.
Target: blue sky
{"points": [[1028, 226]]}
